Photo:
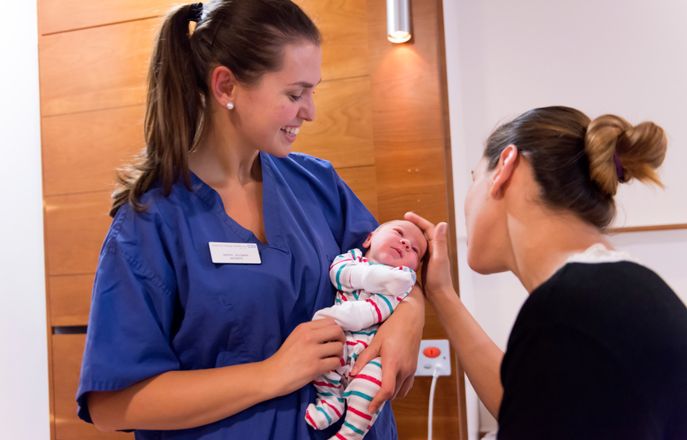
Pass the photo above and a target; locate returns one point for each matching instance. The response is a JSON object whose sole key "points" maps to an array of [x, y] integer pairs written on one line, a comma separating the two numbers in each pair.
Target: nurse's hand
{"points": [[312, 349], [397, 342]]}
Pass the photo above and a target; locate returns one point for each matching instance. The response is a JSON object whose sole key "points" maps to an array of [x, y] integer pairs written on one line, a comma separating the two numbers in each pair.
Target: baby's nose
{"points": [[405, 243]]}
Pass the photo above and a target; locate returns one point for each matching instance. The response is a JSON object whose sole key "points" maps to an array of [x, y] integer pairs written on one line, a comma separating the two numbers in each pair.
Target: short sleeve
{"points": [[133, 308]]}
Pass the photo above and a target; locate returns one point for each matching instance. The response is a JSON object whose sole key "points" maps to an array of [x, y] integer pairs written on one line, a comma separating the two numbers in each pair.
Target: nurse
{"points": [[217, 256]]}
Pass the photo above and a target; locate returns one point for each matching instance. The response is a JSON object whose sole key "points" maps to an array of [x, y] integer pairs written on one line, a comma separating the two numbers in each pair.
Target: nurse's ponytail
{"points": [[247, 36]]}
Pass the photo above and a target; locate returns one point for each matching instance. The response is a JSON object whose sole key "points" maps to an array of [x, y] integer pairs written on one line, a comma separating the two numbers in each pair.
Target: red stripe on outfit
{"points": [[336, 263], [359, 413], [356, 342], [379, 313], [326, 384], [369, 379], [338, 414], [312, 422], [340, 436]]}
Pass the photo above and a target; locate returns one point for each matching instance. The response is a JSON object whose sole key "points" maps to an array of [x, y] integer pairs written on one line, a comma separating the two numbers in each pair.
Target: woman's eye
{"points": [[295, 97]]}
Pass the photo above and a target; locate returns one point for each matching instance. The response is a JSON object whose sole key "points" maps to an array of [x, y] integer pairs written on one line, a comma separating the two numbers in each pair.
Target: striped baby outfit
{"points": [[367, 294]]}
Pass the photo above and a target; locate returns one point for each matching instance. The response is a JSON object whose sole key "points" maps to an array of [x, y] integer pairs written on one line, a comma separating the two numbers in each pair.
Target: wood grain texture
{"points": [[66, 364], [75, 226], [363, 182], [82, 150], [65, 15], [95, 68], [342, 129], [105, 67], [342, 24], [70, 299]]}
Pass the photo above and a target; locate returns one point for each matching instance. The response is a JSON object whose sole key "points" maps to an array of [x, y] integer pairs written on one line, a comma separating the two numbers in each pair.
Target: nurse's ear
{"points": [[223, 85]]}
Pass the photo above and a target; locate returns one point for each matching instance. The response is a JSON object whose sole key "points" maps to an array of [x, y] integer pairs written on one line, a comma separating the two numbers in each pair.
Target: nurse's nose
{"points": [[307, 110]]}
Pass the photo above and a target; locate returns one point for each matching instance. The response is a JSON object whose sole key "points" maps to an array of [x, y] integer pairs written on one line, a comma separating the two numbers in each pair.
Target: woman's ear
{"points": [[223, 85], [508, 161]]}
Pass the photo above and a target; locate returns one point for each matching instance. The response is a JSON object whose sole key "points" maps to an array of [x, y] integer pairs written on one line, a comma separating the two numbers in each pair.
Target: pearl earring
{"points": [[230, 105]]}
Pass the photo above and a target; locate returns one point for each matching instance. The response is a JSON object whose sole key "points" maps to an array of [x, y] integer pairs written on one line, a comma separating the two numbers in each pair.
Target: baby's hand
{"points": [[398, 282], [388, 280]]}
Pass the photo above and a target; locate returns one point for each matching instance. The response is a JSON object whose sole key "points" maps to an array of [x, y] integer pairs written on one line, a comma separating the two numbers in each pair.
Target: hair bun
{"points": [[619, 151]]}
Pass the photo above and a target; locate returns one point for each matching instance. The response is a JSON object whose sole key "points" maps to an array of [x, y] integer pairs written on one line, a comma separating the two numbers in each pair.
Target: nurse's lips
{"points": [[290, 132]]}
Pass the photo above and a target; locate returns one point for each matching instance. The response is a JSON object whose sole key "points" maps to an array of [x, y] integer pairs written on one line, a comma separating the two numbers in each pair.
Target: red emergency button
{"points": [[431, 352]]}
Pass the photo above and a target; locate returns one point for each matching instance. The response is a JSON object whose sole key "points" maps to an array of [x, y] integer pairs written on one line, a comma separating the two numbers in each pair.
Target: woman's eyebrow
{"points": [[305, 84]]}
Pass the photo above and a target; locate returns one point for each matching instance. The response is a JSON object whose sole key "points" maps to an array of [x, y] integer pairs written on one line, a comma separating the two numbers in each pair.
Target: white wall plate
{"points": [[434, 352]]}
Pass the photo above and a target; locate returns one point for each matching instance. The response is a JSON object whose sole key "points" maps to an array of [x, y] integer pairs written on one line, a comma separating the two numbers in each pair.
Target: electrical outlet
{"points": [[433, 352]]}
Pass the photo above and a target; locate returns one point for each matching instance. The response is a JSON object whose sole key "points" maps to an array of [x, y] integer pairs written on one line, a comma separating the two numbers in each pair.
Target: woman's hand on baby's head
{"points": [[436, 273]]}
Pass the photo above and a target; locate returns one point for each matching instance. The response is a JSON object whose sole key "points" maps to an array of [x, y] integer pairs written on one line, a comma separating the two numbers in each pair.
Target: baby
{"points": [[369, 288]]}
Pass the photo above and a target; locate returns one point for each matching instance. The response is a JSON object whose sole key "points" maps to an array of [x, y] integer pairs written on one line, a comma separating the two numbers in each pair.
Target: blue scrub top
{"points": [[161, 304]]}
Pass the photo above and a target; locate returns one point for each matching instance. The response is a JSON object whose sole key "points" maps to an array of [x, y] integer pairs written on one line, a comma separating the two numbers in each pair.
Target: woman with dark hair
{"points": [[599, 349], [220, 242]]}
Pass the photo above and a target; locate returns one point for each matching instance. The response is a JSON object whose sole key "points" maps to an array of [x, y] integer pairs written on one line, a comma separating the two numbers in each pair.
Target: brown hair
{"points": [[247, 36], [578, 163]]}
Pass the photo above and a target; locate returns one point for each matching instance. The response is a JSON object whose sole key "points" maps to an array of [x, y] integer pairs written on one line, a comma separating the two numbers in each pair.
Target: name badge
{"points": [[234, 253]]}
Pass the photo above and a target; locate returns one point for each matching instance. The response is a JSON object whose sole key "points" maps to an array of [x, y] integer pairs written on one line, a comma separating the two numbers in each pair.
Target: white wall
{"points": [[24, 412], [505, 57]]}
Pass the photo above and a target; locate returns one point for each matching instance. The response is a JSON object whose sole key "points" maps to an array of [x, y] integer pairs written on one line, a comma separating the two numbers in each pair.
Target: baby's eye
{"points": [[398, 231]]}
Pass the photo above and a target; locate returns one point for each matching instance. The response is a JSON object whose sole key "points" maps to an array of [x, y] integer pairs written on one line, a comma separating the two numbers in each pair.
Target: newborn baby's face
{"points": [[396, 243]]}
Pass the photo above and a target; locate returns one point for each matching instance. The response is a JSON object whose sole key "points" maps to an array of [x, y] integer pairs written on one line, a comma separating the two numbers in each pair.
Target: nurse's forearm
{"points": [[183, 399], [479, 356]]}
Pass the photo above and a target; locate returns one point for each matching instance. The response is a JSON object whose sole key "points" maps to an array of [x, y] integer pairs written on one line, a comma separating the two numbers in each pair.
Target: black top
{"points": [[599, 351]]}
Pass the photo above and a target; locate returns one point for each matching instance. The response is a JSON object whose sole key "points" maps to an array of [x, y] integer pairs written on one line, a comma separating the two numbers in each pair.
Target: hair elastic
{"points": [[619, 168], [195, 13]]}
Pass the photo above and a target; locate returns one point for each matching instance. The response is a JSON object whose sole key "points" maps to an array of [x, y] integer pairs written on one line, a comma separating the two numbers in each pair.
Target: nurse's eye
{"points": [[295, 98]]}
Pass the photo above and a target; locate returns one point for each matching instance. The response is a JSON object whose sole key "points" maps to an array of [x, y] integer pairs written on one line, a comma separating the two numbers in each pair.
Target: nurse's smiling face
{"points": [[271, 112]]}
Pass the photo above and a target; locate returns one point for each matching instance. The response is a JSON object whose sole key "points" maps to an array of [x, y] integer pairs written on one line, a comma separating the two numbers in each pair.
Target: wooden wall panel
{"points": [[344, 33], [342, 130], [67, 352], [75, 227], [363, 182], [65, 15], [95, 68], [82, 150], [70, 299]]}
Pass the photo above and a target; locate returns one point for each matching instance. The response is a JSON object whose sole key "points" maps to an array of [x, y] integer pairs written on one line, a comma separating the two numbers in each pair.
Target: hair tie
{"points": [[195, 13], [619, 168]]}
